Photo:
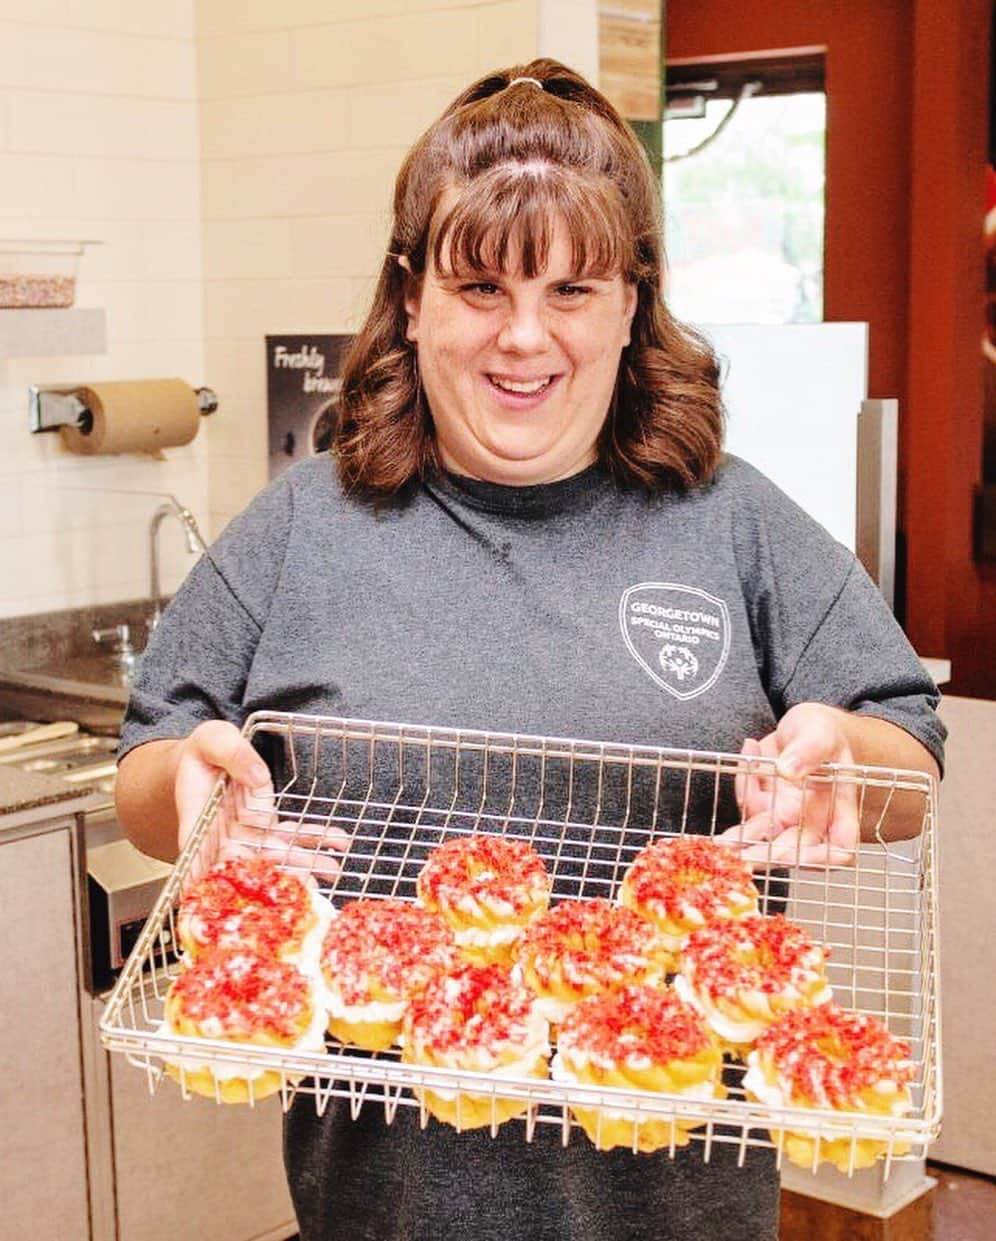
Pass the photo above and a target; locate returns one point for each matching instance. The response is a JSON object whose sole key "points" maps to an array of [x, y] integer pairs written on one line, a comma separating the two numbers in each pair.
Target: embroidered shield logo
{"points": [[679, 635]]}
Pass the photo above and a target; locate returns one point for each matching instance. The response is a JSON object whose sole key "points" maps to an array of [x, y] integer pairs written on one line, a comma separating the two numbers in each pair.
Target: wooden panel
{"points": [[803, 1219], [648, 9], [629, 42], [42, 1148]]}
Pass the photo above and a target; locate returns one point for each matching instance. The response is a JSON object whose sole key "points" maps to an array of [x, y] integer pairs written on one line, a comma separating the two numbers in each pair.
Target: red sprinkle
{"points": [[487, 869], [831, 1054], [592, 944], [636, 1023], [247, 992], [246, 901], [472, 1007], [751, 954], [689, 870], [390, 943]]}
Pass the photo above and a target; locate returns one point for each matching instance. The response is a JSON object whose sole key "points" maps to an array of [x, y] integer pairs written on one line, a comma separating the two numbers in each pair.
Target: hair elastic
{"points": [[534, 81]]}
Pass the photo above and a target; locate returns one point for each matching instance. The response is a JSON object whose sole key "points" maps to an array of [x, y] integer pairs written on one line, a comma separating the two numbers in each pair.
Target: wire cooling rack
{"points": [[393, 792]]}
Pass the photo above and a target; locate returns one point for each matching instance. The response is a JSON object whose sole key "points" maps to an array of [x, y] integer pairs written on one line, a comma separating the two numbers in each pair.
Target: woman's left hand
{"points": [[786, 821]]}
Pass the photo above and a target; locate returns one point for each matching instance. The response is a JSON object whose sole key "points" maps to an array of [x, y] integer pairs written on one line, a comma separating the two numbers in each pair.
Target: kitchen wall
{"points": [[236, 159], [907, 99], [98, 139]]}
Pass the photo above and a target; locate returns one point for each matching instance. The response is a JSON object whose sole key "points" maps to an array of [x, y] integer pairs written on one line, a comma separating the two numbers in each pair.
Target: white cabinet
{"points": [[85, 1153], [43, 1157], [191, 1168], [967, 862]]}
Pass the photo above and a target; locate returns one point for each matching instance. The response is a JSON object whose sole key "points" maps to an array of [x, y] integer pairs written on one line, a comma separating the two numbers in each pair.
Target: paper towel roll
{"points": [[140, 415]]}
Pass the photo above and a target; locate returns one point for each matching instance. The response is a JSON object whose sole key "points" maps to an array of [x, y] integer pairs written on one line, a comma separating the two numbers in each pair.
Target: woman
{"points": [[533, 529]]}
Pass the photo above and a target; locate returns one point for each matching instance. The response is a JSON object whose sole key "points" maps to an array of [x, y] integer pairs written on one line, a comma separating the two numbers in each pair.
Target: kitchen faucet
{"points": [[195, 543]]}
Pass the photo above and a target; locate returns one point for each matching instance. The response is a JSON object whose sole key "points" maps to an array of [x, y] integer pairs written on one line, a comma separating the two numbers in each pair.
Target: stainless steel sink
{"points": [[51, 668], [94, 671]]}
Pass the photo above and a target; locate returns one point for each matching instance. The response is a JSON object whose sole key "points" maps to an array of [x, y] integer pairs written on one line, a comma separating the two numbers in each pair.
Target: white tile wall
{"points": [[98, 139], [568, 31], [236, 159]]}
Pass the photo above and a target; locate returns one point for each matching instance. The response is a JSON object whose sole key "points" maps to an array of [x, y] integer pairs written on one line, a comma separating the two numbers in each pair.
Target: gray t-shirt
{"points": [[572, 609]]}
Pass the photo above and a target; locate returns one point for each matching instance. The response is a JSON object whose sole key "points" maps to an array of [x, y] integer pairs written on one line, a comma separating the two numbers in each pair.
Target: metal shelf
{"points": [[587, 807]]}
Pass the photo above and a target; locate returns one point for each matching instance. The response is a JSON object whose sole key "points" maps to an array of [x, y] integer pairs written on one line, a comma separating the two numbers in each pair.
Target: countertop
{"points": [[25, 790]]}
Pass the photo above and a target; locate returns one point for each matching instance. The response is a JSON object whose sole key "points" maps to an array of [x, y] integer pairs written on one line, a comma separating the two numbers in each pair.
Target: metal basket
{"points": [[587, 807]]}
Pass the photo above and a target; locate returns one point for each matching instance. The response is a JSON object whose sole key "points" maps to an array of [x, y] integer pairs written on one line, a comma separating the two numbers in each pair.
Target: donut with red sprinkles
{"points": [[687, 882], [766, 954], [833, 1057], [474, 1009], [493, 871], [236, 993], [391, 945], [480, 1018], [245, 902], [638, 1038], [487, 888], [585, 947], [743, 973], [636, 1024]]}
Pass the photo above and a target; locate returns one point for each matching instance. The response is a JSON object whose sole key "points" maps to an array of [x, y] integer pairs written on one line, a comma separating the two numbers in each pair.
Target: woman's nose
{"points": [[524, 329]]}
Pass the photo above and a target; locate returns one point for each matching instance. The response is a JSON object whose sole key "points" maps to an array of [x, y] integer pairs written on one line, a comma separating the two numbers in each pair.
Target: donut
{"points": [[250, 902], [638, 1038], [743, 974], [581, 948], [374, 955], [831, 1057], [477, 1017], [488, 888], [242, 996], [687, 882]]}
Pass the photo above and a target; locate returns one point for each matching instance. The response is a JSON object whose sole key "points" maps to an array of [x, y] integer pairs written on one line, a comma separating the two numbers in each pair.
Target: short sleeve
{"points": [[198, 660], [859, 658], [821, 630]]}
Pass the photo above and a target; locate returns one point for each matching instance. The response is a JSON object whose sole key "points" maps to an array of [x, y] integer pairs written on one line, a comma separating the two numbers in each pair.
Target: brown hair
{"points": [[524, 159]]}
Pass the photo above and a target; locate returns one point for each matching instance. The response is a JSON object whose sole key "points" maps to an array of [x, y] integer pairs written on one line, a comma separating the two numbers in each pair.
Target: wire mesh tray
{"points": [[588, 808]]}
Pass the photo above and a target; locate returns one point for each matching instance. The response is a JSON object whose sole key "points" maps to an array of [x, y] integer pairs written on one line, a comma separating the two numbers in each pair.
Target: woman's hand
{"points": [[247, 816], [785, 822], [213, 749]]}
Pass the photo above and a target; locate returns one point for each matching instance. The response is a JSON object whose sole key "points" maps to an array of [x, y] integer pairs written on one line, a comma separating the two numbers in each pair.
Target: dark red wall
{"points": [[907, 102]]}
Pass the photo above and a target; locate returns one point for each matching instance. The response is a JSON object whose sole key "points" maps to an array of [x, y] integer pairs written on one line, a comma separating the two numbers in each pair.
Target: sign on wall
{"points": [[302, 393]]}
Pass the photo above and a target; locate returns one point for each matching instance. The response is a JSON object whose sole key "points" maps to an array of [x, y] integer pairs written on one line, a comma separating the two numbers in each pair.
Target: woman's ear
{"points": [[632, 301], [411, 298]]}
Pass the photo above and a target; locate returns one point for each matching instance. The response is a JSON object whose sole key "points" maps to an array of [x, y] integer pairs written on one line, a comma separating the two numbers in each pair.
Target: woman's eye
{"points": [[572, 292], [481, 289]]}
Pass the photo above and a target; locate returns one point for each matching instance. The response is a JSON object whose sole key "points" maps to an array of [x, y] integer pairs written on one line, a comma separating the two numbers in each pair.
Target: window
{"points": [[744, 175]]}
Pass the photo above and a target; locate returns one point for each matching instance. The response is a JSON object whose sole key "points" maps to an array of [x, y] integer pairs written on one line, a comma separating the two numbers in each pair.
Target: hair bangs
{"points": [[505, 222]]}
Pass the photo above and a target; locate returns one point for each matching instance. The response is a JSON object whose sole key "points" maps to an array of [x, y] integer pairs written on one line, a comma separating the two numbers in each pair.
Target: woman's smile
{"points": [[512, 393]]}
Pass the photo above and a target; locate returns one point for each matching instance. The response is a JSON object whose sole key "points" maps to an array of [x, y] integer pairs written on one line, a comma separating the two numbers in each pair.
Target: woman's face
{"points": [[518, 372]]}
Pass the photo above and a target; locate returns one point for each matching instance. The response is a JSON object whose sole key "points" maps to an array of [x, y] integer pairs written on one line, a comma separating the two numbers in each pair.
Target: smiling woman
{"points": [[529, 526]]}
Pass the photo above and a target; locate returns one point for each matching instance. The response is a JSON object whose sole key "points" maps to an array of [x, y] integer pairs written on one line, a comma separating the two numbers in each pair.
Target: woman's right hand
{"points": [[247, 817], [217, 748]]}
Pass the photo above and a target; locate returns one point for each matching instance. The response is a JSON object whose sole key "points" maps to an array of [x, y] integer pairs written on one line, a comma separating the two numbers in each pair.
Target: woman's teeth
{"points": [[525, 387]]}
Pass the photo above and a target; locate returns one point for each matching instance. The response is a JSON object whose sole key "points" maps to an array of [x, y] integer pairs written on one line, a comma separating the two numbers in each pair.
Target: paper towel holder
{"points": [[52, 408]]}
